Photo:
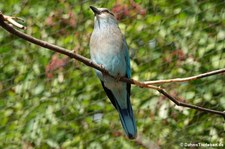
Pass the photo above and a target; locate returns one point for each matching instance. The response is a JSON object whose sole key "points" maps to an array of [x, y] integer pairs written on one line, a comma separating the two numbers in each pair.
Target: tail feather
{"points": [[126, 115], [128, 122]]}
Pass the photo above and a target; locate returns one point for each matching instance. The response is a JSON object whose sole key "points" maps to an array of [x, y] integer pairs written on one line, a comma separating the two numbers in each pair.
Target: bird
{"points": [[109, 49]]}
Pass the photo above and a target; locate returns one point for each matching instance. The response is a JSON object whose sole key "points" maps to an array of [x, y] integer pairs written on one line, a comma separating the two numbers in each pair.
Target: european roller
{"points": [[109, 49]]}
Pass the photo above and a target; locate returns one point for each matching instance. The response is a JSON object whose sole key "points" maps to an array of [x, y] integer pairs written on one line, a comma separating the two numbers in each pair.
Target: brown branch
{"points": [[207, 74], [64, 51], [179, 103], [12, 21], [88, 62]]}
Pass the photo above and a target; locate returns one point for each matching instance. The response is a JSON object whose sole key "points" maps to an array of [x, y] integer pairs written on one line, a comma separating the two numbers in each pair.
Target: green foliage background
{"points": [[174, 38]]}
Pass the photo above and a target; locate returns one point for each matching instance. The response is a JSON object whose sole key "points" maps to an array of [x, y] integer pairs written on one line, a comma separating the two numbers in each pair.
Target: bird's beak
{"points": [[95, 10]]}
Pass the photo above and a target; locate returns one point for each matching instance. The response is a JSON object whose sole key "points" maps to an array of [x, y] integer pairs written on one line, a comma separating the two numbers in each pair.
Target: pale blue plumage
{"points": [[109, 49]]}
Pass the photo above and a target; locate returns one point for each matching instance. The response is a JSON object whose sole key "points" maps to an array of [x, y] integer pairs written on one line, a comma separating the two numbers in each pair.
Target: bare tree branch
{"points": [[207, 74], [179, 103], [88, 62], [12, 21], [64, 51]]}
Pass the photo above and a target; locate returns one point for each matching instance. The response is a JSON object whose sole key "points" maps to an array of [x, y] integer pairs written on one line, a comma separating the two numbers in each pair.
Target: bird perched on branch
{"points": [[109, 49]]}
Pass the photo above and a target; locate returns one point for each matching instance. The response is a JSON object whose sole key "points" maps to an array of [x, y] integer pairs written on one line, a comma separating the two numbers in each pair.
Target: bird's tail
{"points": [[126, 115], [128, 121]]}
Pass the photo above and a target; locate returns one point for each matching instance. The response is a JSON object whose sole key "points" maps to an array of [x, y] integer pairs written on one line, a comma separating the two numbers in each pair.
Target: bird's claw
{"points": [[104, 72], [118, 77]]}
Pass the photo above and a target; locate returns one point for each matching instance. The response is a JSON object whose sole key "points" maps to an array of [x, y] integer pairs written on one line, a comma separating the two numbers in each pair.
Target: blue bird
{"points": [[109, 49]]}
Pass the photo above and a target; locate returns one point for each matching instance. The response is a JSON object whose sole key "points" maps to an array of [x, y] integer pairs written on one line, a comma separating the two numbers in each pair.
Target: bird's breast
{"points": [[114, 62], [106, 49]]}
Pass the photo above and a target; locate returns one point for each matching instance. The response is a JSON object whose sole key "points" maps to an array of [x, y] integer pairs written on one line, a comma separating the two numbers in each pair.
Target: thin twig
{"points": [[207, 74], [179, 103], [12, 21], [88, 62]]}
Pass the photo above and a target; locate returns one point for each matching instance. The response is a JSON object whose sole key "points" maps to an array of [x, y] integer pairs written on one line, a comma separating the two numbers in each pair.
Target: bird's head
{"points": [[103, 16]]}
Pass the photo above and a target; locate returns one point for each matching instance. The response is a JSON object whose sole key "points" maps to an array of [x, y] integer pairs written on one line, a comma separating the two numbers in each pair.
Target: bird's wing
{"points": [[128, 75], [110, 95], [127, 59], [126, 114]]}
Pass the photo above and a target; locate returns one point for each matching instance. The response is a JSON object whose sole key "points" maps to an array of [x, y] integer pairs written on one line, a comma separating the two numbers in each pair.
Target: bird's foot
{"points": [[104, 72], [118, 77]]}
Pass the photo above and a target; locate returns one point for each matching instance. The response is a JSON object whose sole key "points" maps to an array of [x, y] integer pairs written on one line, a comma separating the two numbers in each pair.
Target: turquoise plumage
{"points": [[108, 48]]}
